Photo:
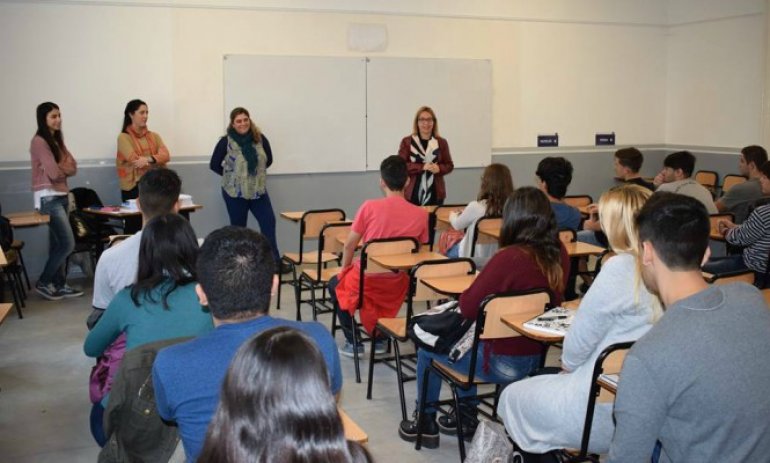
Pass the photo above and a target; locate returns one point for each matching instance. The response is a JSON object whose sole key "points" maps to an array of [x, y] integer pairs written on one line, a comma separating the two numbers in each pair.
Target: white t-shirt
{"points": [[116, 269]]}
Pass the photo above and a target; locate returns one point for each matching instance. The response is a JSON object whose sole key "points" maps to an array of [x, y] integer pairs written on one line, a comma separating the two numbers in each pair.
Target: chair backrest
{"points": [[715, 218], [488, 321], [707, 178], [498, 306], [485, 224], [578, 200], [437, 269], [731, 180], [609, 361], [567, 235], [442, 212], [746, 276], [766, 294], [115, 240], [328, 238], [313, 221], [385, 247], [86, 197]]}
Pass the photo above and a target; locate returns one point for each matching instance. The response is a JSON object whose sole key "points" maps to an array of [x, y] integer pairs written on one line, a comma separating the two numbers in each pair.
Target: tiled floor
{"points": [[44, 406]]}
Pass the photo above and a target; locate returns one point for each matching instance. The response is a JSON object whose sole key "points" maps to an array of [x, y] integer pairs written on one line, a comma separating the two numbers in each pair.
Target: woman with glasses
{"points": [[428, 160]]}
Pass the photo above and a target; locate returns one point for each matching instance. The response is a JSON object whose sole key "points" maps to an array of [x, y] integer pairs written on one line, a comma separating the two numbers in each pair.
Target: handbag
{"points": [[438, 329], [490, 445]]}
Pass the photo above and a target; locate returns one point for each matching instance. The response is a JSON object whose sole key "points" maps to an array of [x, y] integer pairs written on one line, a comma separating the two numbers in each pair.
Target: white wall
{"points": [[572, 66], [716, 73]]}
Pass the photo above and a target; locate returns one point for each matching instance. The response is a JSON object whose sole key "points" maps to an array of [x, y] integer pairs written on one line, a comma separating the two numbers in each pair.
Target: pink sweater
{"points": [[46, 172]]}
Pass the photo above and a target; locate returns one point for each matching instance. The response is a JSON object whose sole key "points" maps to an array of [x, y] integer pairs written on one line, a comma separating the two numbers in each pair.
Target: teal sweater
{"points": [[150, 321]]}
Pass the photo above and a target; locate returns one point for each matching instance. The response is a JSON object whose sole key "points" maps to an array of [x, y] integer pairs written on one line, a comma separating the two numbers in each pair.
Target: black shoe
{"points": [[283, 268], [430, 438], [447, 424]]}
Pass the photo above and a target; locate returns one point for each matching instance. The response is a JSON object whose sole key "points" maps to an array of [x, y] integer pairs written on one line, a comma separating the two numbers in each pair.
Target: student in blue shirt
{"points": [[235, 280]]}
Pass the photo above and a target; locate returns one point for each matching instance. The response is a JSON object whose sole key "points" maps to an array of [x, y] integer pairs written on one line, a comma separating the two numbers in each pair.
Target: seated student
{"points": [[675, 178], [235, 274], [276, 405], [626, 162], [162, 303], [158, 195], [496, 186], [548, 412], [388, 217], [753, 235], [554, 176], [697, 382], [740, 198], [531, 256]]}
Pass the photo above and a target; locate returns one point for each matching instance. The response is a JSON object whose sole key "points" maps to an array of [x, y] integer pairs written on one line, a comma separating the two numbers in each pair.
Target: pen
{"points": [[558, 317]]}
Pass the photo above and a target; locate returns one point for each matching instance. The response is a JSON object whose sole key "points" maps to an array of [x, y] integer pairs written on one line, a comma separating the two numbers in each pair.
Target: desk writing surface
{"points": [[294, 216], [5, 309], [450, 286], [27, 219], [353, 431], [516, 322], [405, 261], [122, 212], [578, 249]]}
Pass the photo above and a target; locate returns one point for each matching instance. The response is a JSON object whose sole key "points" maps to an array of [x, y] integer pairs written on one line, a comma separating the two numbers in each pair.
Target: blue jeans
{"points": [[503, 369], [731, 263], [238, 210], [61, 241], [454, 251]]}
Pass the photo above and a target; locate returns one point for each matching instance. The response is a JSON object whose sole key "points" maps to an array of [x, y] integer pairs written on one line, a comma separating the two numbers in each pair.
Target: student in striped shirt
{"points": [[753, 235]]}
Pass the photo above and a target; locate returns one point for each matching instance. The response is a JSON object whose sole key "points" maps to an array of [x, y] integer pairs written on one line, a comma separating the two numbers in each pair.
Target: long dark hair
{"points": [[496, 186], [529, 222], [55, 140], [131, 108], [167, 253], [276, 406]]}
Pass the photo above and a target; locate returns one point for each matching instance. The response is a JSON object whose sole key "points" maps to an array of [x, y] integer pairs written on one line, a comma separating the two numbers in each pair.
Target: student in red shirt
{"points": [[531, 256], [389, 217]]}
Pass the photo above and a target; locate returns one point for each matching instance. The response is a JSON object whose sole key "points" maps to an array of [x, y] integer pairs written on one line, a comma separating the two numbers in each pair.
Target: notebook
{"points": [[553, 321]]}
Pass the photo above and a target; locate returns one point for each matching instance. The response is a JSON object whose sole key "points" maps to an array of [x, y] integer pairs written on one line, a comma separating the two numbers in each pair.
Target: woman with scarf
{"points": [[428, 160], [242, 157], [139, 150]]}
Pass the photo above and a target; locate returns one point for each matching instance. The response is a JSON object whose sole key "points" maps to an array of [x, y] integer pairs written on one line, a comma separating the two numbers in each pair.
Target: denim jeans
{"points": [[454, 251], [238, 210], [343, 316], [731, 263], [503, 369], [61, 241]]}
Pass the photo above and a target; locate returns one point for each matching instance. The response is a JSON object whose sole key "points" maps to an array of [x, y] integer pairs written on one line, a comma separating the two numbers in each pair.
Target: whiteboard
{"points": [[459, 91], [312, 109], [331, 114]]}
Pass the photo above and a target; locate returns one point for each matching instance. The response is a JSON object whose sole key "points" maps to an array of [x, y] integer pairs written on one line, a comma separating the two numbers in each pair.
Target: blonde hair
{"points": [[425, 109], [618, 209]]}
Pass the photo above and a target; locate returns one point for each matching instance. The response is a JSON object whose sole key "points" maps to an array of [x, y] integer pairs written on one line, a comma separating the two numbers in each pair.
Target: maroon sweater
{"points": [[510, 269], [444, 162]]}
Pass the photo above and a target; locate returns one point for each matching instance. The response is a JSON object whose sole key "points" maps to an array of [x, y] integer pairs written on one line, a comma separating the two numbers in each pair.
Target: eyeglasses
{"points": [[423, 119]]}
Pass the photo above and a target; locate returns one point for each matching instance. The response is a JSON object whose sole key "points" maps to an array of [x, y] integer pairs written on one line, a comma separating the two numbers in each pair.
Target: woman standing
{"points": [[138, 149], [242, 157], [276, 405], [52, 163], [428, 160]]}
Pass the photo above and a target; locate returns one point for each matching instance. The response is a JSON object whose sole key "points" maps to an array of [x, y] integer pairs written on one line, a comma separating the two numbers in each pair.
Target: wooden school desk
{"points": [[293, 216], [405, 261], [27, 219], [130, 215], [516, 322], [450, 286], [353, 431]]}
